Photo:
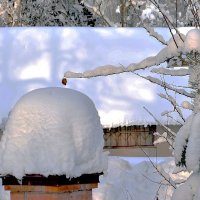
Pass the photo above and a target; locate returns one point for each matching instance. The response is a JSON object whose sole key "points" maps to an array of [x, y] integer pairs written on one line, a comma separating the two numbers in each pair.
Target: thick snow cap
{"points": [[192, 41], [53, 131]]}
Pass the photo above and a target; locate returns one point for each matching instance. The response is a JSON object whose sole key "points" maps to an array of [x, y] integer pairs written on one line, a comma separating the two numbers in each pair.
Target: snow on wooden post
{"points": [[38, 187], [52, 146]]}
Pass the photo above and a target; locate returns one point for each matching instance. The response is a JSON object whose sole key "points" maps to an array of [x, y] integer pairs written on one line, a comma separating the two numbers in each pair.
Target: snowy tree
{"points": [[139, 12], [44, 13], [180, 56], [118, 13]]}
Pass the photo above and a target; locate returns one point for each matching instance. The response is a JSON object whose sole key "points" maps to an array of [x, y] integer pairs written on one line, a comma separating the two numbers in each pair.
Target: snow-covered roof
{"points": [[145, 123], [53, 131]]}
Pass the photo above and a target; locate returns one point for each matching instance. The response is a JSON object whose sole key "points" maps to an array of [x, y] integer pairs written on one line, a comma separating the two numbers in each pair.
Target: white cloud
{"points": [[31, 87], [139, 89], [127, 96], [112, 102], [81, 54], [105, 32], [132, 87], [69, 38], [30, 37], [39, 68], [126, 32], [112, 117], [118, 32]]}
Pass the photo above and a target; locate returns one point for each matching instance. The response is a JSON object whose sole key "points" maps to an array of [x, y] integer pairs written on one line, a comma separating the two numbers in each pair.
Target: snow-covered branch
{"points": [[168, 113], [155, 34], [169, 21], [187, 105], [173, 103], [169, 131], [168, 86], [165, 54], [164, 137], [171, 72], [99, 71]]}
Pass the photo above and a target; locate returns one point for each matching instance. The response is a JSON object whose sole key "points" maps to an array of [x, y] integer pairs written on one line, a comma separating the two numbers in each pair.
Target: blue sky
{"points": [[32, 58]]}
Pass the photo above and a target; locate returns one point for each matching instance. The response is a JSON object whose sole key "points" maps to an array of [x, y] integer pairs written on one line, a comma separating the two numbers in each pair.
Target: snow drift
{"points": [[53, 131]]}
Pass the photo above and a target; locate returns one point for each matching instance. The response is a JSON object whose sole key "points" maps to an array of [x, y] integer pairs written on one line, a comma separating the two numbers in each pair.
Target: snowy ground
{"points": [[137, 179], [131, 179]]}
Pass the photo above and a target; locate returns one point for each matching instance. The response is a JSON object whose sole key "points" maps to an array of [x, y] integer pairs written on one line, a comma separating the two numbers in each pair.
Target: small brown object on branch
{"points": [[64, 81]]}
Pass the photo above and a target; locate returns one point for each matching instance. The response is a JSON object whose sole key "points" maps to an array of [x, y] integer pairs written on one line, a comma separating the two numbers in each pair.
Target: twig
{"points": [[172, 103], [158, 170], [166, 128]]}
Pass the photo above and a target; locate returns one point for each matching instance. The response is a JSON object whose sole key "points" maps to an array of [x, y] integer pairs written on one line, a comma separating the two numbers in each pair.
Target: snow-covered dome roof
{"points": [[53, 131]]}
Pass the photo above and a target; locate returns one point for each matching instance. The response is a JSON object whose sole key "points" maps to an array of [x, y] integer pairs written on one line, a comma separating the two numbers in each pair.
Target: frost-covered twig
{"points": [[168, 86], [155, 34], [168, 22], [165, 127], [157, 193], [169, 116], [165, 138], [156, 182], [161, 172], [194, 12], [151, 30], [173, 103], [97, 11]]}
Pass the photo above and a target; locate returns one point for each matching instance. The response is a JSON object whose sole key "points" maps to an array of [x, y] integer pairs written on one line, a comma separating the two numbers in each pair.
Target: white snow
{"points": [[181, 138], [173, 46], [189, 190], [155, 34], [166, 71], [53, 131], [133, 179], [192, 41], [189, 132], [187, 105], [193, 146], [136, 182], [161, 138]]}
